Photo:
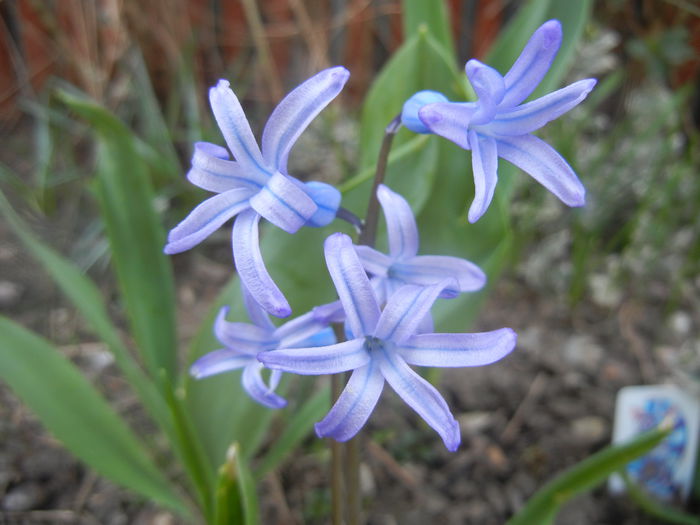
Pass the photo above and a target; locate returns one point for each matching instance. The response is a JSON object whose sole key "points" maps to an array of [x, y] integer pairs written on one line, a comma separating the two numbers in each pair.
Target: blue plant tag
{"points": [[667, 471]]}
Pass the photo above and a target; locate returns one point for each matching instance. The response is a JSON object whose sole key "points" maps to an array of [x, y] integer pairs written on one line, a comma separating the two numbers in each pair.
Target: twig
{"points": [[534, 392]]}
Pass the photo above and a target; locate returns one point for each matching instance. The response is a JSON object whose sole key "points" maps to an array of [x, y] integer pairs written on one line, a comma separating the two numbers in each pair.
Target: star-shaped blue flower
{"points": [[243, 342], [257, 184], [382, 346], [499, 125]]}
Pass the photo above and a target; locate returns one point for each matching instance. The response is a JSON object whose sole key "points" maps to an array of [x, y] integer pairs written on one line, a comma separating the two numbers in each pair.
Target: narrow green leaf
{"points": [[236, 497], [126, 201], [295, 430], [433, 15], [70, 407], [584, 476]]}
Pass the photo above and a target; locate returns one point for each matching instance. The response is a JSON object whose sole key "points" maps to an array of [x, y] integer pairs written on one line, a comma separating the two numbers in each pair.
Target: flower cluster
{"points": [[384, 299]]}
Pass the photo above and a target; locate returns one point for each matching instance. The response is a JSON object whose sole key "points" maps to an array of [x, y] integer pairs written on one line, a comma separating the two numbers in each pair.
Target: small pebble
{"points": [[589, 429]]}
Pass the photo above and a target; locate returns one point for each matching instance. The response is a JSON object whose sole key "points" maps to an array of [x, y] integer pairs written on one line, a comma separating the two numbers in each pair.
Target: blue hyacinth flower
{"points": [[256, 184], [383, 344], [498, 124], [243, 342]]}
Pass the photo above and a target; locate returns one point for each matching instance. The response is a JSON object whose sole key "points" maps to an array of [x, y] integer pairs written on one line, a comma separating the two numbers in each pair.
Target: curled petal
{"points": [[426, 270], [400, 223], [532, 64], [257, 389], [373, 261], [355, 404], [409, 113], [294, 113], [213, 171], [546, 166], [297, 331], [283, 203], [244, 338], [533, 115], [251, 267], [327, 199], [457, 350], [421, 396], [219, 361], [352, 284], [485, 169], [256, 313], [449, 120], [489, 87], [205, 219], [235, 128], [405, 310], [318, 360]]}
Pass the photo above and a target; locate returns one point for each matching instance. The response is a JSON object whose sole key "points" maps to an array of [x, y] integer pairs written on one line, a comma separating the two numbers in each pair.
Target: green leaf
{"points": [[126, 202], [70, 407], [236, 497], [586, 475], [433, 15], [652, 507]]}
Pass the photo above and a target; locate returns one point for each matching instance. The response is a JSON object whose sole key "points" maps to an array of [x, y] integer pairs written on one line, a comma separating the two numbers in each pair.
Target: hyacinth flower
{"points": [[256, 184], [499, 125], [383, 344], [243, 342]]}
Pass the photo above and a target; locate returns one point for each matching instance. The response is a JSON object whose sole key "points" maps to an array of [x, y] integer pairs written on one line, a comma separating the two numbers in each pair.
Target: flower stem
{"points": [[336, 459]]}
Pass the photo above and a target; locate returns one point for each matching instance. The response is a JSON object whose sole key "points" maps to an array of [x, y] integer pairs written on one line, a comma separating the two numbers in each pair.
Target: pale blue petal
{"points": [[330, 312], [244, 338], [485, 169], [235, 128], [489, 87], [283, 203], [327, 199], [421, 396], [426, 270], [400, 223], [409, 113], [219, 361], [404, 312], [318, 360], [297, 331], [294, 113], [539, 160], [206, 218], [257, 389], [449, 120], [256, 313], [374, 262], [533, 115], [352, 284], [213, 171], [251, 267], [457, 350], [532, 64], [354, 405]]}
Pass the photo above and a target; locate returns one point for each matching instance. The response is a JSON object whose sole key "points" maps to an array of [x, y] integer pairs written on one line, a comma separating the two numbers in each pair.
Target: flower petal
{"points": [[449, 120], [426, 270], [485, 169], [400, 223], [330, 312], [532, 64], [354, 405], [327, 199], [294, 113], [421, 396], [352, 284], [251, 267], [219, 361], [297, 331], [283, 203], [405, 310], [374, 262], [489, 87], [457, 350], [256, 313], [409, 113], [213, 171], [205, 219], [257, 389], [318, 360], [244, 338], [533, 115], [546, 166], [234, 127]]}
